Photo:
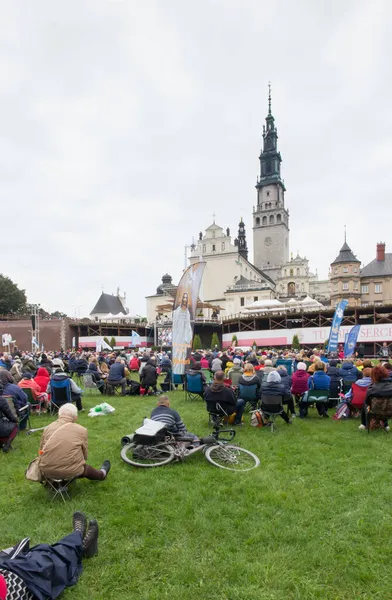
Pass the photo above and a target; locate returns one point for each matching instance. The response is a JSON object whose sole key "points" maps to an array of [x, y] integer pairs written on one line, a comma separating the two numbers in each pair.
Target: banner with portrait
{"points": [[351, 341], [337, 320], [184, 312]]}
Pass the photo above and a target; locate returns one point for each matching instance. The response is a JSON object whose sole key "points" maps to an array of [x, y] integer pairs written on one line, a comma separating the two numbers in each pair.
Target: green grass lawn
{"points": [[314, 521]]}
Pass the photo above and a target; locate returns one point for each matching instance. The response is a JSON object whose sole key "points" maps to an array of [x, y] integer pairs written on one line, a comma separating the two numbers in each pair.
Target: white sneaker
{"points": [[387, 428], [362, 427], [293, 416]]}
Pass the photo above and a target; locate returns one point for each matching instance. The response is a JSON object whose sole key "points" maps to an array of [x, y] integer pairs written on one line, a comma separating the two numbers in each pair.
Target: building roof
{"points": [[378, 268], [345, 255], [108, 303]]}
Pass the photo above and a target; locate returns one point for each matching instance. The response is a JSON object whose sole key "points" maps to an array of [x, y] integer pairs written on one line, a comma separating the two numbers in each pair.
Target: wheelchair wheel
{"points": [[232, 458], [147, 456]]}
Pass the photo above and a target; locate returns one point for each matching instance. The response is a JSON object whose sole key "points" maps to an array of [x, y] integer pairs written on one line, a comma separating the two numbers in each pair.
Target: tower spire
{"points": [[240, 241], [269, 97]]}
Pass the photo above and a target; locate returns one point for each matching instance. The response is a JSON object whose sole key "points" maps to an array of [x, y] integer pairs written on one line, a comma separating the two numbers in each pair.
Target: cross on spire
{"points": [[213, 217], [269, 97]]}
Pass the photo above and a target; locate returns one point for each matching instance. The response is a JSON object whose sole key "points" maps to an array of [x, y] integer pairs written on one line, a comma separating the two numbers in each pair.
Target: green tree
{"points": [[106, 340], [295, 342], [234, 340], [12, 299], [112, 342], [215, 340], [197, 342]]}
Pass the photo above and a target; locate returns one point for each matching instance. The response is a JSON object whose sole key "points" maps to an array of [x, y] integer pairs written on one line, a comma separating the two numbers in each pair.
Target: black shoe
{"points": [[90, 541], [79, 521], [325, 416], [106, 467], [7, 447]]}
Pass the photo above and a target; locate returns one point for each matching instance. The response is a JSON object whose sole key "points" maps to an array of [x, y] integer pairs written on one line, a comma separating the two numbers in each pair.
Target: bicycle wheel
{"points": [[232, 458], [147, 456]]}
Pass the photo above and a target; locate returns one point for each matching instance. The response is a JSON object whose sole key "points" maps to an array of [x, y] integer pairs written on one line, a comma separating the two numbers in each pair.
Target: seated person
{"points": [[218, 394], [95, 374], [18, 396], [149, 376], [249, 378], [81, 365], [273, 386], [42, 379], [16, 369], [205, 363], [28, 382], [25, 572], [333, 372], [348, 371], [170, 417], [299, 380], [8, 424], [196, 370], [166, 365], [381, 387], [76, 392], [117, 375], [319, 381], [63, 449], [364, 382], [235, 372], [286, 381], [134, 364]]}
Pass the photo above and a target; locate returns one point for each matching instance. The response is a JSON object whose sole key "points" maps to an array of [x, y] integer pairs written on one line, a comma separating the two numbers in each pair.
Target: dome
{"points": [[166, 280]]}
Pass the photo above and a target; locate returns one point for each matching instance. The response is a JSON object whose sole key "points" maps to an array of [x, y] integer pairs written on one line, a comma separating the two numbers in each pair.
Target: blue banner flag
{"points": [[337, 319], [135, 338], [351, 341]]}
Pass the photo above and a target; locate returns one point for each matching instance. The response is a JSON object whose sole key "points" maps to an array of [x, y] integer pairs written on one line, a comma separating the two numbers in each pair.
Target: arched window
{"points": [[272, 219], [264, 220], [257, 221], [278, 218]]}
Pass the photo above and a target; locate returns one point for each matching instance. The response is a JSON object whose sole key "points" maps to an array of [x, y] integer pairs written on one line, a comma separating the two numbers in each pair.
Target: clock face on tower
{"points": [[268, 241]]}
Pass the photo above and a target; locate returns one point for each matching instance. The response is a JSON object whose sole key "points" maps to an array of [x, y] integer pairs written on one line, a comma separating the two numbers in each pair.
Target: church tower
{"points": [[270, 217], [240, 241]]}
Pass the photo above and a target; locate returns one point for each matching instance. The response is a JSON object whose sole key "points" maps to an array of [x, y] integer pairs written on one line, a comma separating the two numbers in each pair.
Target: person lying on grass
{"points": [[43, 572]]}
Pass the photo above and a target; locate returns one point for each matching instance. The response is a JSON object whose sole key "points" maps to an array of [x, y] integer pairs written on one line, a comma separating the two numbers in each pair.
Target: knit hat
{"points": [[301, 366], [268, 362], [237, 361], [27, 375], [273, 377], [57, 362]]}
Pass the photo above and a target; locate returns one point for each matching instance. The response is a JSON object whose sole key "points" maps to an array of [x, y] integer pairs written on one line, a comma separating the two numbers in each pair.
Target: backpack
{"points": [[257, 418], [342, 412]]}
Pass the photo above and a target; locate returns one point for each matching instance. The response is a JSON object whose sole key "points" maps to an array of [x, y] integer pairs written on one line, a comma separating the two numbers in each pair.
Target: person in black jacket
{"points": [[286, 380], [8, 424], [149, 376], [95, 374], [273, 386], [334, 373], [381, 387], [220, 398]]}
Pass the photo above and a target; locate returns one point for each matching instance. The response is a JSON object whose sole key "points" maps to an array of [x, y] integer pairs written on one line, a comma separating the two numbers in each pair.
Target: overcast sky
{"points": [[125, 125]]}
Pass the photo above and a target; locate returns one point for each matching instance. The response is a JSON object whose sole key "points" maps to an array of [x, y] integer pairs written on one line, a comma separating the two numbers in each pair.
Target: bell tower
{"points": [[270, 217]]}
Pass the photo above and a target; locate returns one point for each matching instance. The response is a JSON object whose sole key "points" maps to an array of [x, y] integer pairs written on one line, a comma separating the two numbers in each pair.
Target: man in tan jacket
{"points": [[63, 449]]}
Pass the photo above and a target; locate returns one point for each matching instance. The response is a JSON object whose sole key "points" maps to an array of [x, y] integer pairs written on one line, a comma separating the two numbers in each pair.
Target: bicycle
{"points": [[218, 451]]}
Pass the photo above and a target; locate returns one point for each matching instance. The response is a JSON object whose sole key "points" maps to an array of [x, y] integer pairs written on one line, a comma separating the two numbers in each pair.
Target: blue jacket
{"points": [[117, 372], [349, 372], [17, 393], [319, 381]]}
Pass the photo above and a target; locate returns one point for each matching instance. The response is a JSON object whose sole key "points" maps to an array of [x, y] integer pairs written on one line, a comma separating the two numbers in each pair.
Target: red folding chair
{"points": [[358, 396]]}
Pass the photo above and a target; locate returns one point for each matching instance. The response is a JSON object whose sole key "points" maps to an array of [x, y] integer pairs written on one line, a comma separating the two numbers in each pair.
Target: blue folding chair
{"points": [[60, 393], [177, 380], [193, 386], [286, 362], [249, 394]]}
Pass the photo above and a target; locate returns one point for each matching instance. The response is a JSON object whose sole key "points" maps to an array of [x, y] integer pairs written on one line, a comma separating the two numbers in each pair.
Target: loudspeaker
{"points": [[33, 321]]}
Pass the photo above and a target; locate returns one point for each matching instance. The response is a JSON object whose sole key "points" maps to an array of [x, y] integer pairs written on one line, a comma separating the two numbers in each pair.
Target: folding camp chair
{"points": [[59, 487], [35, 403], [207, 374], [193, 386], [89, 384], [358, 397], [272, 406], [218, 417], [336, 388], [248, 393], [60, 393], [177, 380], [286, 362], [379, 410], [22, 414], [314, 397]]}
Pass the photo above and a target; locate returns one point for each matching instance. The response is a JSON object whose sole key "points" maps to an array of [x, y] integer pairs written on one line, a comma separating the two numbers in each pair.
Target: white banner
{"points": [[312, 336]]}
